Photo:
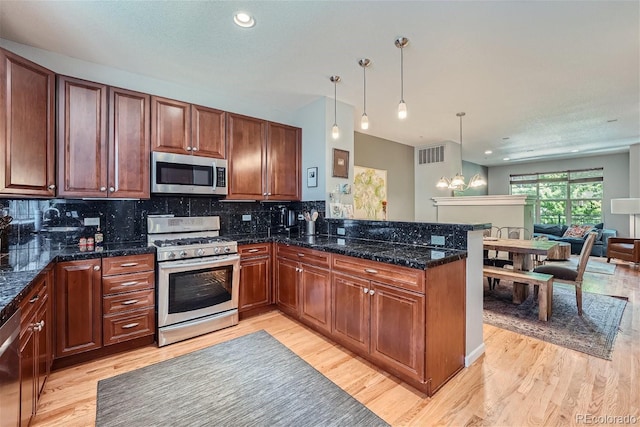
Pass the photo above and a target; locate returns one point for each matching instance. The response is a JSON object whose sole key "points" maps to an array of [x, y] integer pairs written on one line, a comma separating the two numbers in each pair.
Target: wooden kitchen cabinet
{"points": [[103, 139], [128, 298], [78, 307], [379, 314], [27, 115], [36, 351], [303, 285], [264, 159], [182, 128], [255, 276]]}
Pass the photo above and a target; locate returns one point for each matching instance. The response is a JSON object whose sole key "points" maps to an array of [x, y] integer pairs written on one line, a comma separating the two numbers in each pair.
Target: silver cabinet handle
{"points": [[96, 267], [129, 302], [300, 255], [103, 188], [112, 189], [371, 292], [188, 148], [268, 194], [129, 283], [129, 264], [253, 250], [52, 187], [371, 270], [130, 325], [34, 299], [195, 148], [366, 290], [264, 194]]}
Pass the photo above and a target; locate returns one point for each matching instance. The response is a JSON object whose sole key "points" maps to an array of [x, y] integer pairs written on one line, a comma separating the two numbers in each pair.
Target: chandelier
{"points": [[457, 182]]}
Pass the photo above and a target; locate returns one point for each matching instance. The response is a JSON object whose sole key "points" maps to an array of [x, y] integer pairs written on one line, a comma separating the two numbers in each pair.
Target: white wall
{"points": [[312, 120], [427, 176], [616, 180], [345, 114]]}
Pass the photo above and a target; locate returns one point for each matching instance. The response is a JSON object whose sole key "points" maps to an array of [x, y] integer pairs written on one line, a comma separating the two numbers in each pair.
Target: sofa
{"points": [[560, 233]]}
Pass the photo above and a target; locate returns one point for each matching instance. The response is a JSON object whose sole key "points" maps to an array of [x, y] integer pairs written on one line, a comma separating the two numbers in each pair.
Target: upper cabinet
{"points": [[264, 159], [103, 141], [182, 128], [27, 114]]}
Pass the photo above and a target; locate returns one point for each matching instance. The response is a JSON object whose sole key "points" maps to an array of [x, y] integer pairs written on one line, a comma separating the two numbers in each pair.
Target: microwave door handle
{"points": [[215, 175]]}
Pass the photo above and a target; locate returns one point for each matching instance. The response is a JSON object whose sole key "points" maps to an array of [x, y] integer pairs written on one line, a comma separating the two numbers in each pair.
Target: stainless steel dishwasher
{"points": [[10, 372]]}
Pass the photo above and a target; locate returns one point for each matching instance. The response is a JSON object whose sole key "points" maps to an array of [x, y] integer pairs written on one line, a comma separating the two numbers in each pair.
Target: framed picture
{"points": [[340, 163], [312, 177]]}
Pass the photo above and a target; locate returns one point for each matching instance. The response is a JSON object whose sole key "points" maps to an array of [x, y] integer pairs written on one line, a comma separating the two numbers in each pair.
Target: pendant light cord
{"points": [[402, 74], [364, 72], [335, 102]]}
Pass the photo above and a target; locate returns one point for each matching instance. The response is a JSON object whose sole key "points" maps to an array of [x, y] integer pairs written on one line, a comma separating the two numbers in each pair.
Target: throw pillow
{"points": [[577, 231]]}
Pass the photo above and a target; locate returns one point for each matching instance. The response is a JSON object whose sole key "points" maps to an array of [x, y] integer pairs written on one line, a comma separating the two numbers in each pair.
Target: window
{"points": [[567, 197]]}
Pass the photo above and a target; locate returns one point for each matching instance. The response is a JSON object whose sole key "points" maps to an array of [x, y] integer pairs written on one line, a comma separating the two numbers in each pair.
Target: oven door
{"points": [[194, 288]]}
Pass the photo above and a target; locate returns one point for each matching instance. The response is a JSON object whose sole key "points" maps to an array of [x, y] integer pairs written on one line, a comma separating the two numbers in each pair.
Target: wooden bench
{"points": [[544, 281]]}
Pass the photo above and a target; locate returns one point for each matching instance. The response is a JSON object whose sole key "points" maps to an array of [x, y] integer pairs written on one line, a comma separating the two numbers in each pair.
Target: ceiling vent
{"points": [[431, 155]]}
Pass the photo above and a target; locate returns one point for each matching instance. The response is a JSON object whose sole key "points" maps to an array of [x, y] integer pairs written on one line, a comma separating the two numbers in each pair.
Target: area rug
{"points": [[248, 381], [593, 333]]}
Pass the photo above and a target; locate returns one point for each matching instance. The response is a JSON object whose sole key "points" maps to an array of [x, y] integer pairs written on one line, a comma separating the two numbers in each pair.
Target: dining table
{"points": [[522, 252]]}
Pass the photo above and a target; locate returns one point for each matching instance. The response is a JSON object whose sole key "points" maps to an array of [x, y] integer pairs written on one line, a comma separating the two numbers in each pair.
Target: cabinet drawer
{"points": [[127, 264], [129, 325], [256, 249], [128, 282], [304, 255], [32, 302], [407, 278], [127, 302]]}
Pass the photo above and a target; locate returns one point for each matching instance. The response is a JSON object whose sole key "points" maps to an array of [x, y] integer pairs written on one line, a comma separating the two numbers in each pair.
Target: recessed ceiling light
{"points": [[244, 20], [612, 120], [506, 158], [488, 152], [574, 151]]}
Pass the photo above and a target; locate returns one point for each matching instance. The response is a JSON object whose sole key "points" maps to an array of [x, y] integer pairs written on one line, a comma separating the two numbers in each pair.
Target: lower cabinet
{"points": [[100, 302], [303, 285], [36, 353], [255, 277]]}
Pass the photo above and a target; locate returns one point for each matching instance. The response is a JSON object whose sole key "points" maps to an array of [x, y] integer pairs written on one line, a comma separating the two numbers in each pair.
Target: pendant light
{"points": [[401, 42], [457, 182], [364, 121], [335, 130]]}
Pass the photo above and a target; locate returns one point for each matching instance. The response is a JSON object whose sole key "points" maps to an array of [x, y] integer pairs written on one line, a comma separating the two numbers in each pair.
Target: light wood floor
{"points": [[519, 381]]}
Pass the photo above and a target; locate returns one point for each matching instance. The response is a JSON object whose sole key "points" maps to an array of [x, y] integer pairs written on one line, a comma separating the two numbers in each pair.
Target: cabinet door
{"points": [[315, 296], [287, 286], [247, 161], [255, 283], [78, 307], [27, 141], [82, 138], [283, 162], [351, 310], [393, 310], [208, 133], [44, 351], [27, 374], [170, 125], [129, 144]]}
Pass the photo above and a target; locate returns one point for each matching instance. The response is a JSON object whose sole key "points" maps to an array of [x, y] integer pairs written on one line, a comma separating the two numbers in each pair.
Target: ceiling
{"points": [[537, 79]]}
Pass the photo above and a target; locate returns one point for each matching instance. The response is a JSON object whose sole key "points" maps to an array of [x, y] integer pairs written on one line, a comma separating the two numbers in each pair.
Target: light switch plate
{"points": [[437, 240], [340, 231], [246, 217], [91, 221]]}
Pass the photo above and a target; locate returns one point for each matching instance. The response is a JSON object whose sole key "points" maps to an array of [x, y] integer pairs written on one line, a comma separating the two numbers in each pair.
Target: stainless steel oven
{"points": [[198, 277], [188, 174]]}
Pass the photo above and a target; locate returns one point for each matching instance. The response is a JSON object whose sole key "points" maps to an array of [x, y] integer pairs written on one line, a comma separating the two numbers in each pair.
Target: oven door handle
{"points": [[208, 261]]}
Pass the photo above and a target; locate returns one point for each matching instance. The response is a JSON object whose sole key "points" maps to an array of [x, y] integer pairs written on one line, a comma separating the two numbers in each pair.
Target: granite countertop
{"points": [[406, 255], [24, 262]]}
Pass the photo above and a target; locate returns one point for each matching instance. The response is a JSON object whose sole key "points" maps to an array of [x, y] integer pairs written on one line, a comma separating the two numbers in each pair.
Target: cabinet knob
{"points": [[96, 267], [52, 187], [268, 194], [195, 148], [264, 194], [103, 188], [371, 292], [188, 148], [112, 189], [365, 290]]}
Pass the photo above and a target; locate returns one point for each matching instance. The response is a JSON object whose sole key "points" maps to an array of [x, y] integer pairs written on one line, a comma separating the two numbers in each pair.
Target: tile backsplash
{"points": [[126, 220]]}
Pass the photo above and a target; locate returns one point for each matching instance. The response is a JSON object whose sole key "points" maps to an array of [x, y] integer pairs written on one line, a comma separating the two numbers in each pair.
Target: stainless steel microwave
{"points": [[188, 174]]}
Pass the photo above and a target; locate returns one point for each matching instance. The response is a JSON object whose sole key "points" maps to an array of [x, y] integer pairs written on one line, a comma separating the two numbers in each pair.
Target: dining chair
{"points": [[489, 256], [568, 275], [501, 262]]}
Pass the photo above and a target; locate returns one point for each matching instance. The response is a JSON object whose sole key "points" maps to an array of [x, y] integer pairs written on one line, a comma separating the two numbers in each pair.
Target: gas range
{"points": [[187, 237]]}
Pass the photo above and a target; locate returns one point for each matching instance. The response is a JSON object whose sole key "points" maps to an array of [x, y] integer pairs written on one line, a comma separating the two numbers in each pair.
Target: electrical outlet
{"points": [[246, 217], [340, 231], [437, 254], [91, 221], [300, 217], [437, 240]]}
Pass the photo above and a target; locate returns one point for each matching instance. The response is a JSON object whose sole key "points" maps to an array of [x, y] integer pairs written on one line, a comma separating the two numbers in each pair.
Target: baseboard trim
{"points": [[474, 355]]}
